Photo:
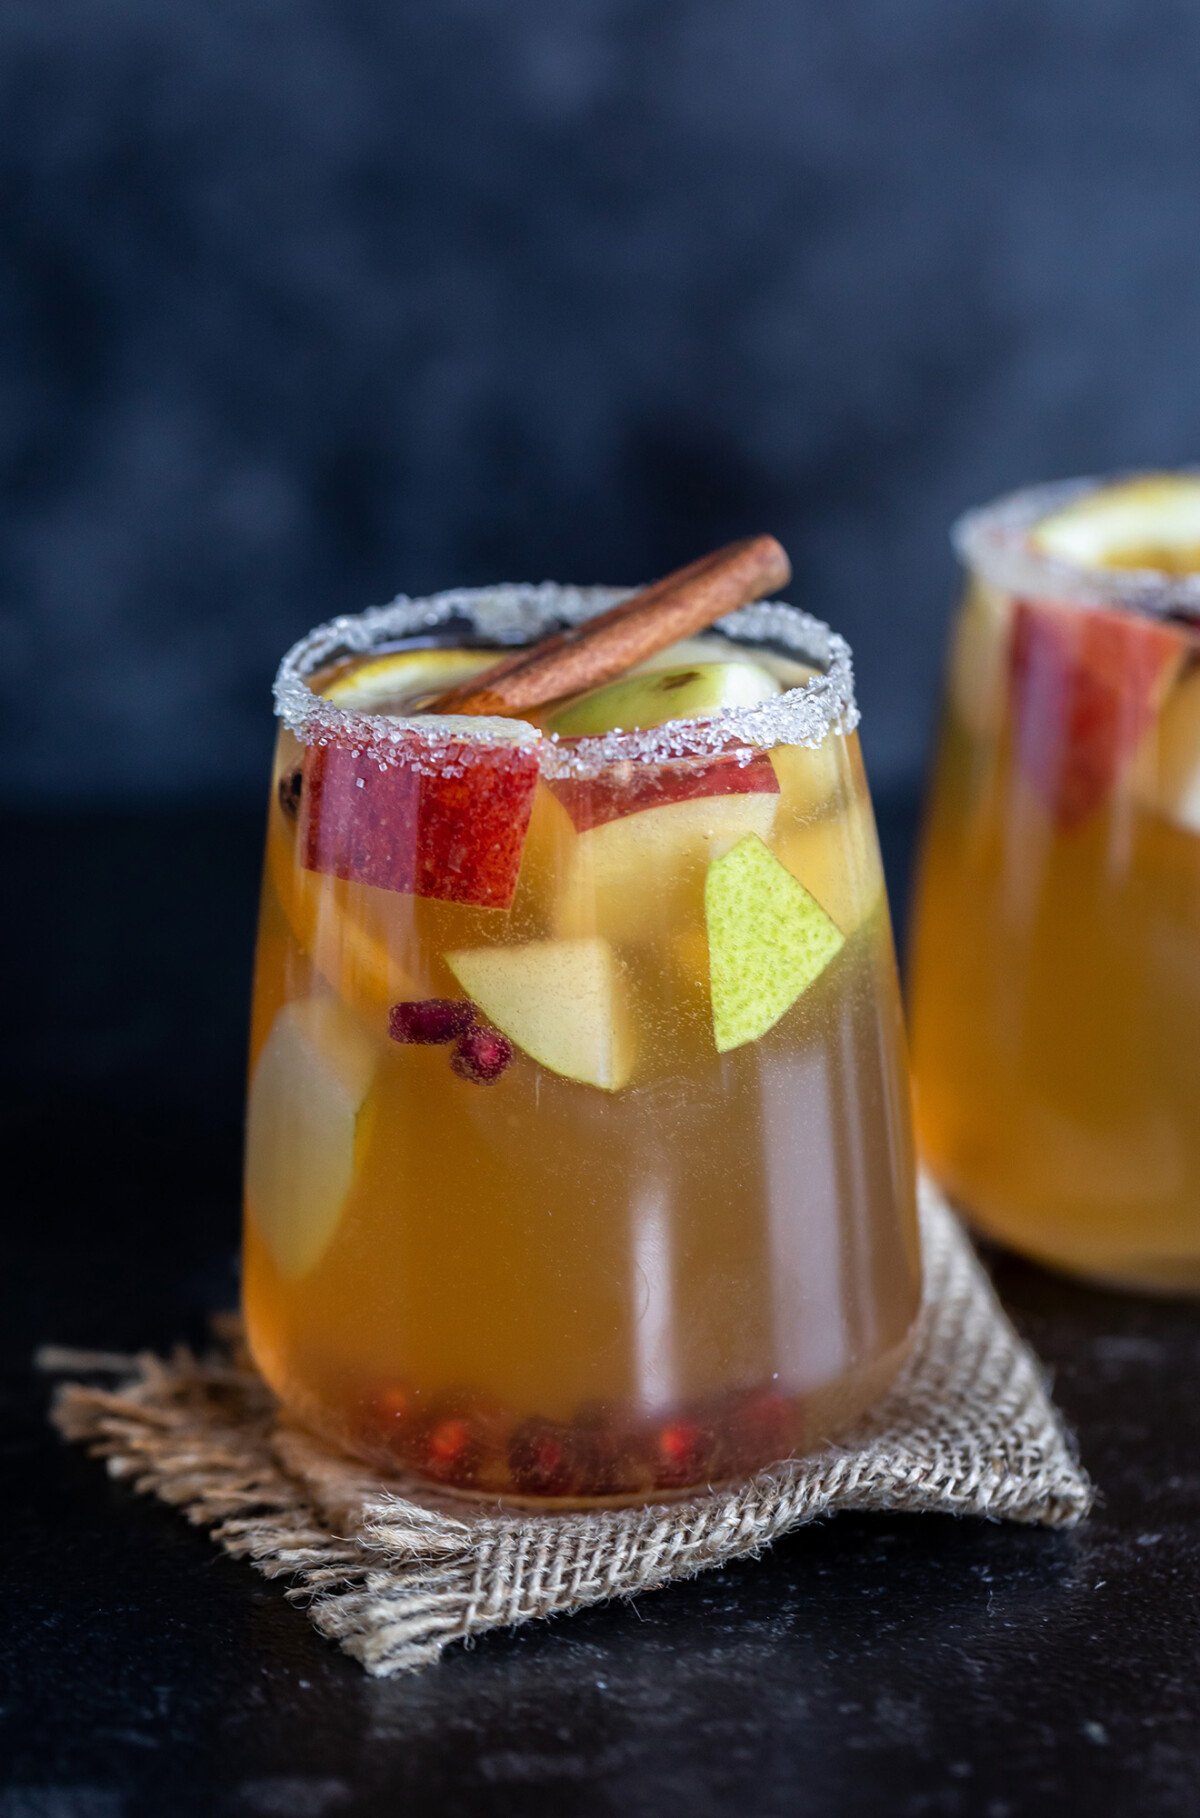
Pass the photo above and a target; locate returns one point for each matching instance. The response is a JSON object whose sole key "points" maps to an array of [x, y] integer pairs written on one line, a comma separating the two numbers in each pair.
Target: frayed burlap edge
{"points": [[394, 1574]]}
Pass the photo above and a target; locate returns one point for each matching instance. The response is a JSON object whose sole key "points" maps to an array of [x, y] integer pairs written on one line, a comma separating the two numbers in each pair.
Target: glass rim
{"points": [[992, 541], [512, 614]]}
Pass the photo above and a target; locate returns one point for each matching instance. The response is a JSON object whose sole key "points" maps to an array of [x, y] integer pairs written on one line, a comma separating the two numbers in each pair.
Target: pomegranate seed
{"points": [[680, 1451], [451, 1450], [432, 1021], [393, 1407], [540, 1457], [481, 1055]]}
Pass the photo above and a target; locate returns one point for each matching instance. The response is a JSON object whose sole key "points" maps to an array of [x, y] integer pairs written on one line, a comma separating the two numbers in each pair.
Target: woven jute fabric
{"points": [[394, 1573]]}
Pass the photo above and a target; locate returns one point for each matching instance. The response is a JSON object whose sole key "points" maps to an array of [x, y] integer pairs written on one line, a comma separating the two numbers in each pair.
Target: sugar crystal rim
{"points": [[517, 613], [993, 540]]}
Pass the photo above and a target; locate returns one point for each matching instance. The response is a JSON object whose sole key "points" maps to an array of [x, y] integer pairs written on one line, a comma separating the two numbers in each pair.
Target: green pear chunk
{"points": [[310, 1085], [636, 702], [563, 1003], [768, 941]]}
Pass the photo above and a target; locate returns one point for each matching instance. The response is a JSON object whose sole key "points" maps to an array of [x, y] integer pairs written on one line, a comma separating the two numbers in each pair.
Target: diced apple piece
{"points": [[768, 941], [562, 1002], [1086, 686], [1168, 780], [809, 776], [448, 824], [347, 930], [635, 702], [639, 788], [397, 682], [310, 1084], [1152, 522], [836, 858], [629, 878]]}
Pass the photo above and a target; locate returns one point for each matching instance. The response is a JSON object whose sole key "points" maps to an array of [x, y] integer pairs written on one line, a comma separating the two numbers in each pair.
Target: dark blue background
{"points": [[307, 301]]}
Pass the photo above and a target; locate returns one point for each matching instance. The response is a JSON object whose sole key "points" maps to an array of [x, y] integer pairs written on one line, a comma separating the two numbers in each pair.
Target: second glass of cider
{"points": [[1056, 964]]}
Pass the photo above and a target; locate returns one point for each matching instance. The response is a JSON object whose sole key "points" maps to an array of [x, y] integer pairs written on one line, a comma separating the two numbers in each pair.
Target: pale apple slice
{"points": [[398, 681], [304, 1129], [836, 858], [768, 942], [1166, 775], [1149, 522], [636, 702], [809, 776], [627, 879], [564, 1003]]}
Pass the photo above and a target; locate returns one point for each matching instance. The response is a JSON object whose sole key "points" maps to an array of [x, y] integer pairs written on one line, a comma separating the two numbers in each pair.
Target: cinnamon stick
{"points": [[585, 656]]}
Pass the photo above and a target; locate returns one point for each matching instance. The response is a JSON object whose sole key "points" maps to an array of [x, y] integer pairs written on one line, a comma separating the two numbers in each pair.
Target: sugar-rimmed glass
{"points": [[1056, 957], [520, 1217]]}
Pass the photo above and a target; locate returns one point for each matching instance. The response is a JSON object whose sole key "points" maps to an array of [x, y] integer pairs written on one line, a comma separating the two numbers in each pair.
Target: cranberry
{"points": [[481, 1055], [680, 1452], [451, 1450], [432, 1021], [541, 1458]]}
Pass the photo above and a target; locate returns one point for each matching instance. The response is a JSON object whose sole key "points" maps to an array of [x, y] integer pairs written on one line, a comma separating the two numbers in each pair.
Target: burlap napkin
{"points": [[394, 1573]]}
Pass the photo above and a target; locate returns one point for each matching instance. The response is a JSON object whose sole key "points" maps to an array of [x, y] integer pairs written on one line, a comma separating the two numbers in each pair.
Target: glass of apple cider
{"points": [[579, 1163], [1056, 961]]}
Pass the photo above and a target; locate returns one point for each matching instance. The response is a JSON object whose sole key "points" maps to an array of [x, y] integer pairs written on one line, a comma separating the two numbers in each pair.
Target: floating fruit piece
{"points": [[303, 1128], [430, 1020], [680, 1454], [347, 930], [809, 776], [542, 1458], [448, 823], [481, 1056], [1169, 780], [768, 941], [638, 788], [638, 701], [448, 1449], [627, 878], [836, 858], [397, 682], [1151, 522], [562, 1002], [1086, 686]]}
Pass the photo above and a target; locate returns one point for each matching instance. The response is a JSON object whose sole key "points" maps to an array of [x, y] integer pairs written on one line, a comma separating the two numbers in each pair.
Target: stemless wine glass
{"points": [[1056, 961], [579, 1163]]}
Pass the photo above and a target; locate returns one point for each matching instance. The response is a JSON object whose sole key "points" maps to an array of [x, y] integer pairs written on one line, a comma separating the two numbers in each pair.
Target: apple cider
{"points": [[1056, 962], [579, 1162]]}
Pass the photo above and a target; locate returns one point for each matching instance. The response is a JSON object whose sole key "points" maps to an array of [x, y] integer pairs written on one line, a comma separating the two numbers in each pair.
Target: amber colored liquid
{"points": [[538, 1288], [1056, 1013]]}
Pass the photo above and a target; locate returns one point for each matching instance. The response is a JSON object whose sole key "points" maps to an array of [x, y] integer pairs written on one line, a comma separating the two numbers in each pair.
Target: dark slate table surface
{"points": [[903, 1666]]}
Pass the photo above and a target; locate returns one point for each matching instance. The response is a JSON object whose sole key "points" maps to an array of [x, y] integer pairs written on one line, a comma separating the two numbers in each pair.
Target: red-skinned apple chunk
{"points": [[456, 834], [1086, 687], [627, 789]]}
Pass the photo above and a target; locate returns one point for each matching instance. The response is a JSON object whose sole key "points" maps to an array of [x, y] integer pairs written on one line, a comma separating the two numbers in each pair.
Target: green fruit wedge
{"points": [[562, 1002], [638, 701], [1150, 522], [768, 941]]}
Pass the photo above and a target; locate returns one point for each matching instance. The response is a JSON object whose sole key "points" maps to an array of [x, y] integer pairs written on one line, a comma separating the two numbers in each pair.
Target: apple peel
{"points": [[1086, 686], [446, 822]]}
